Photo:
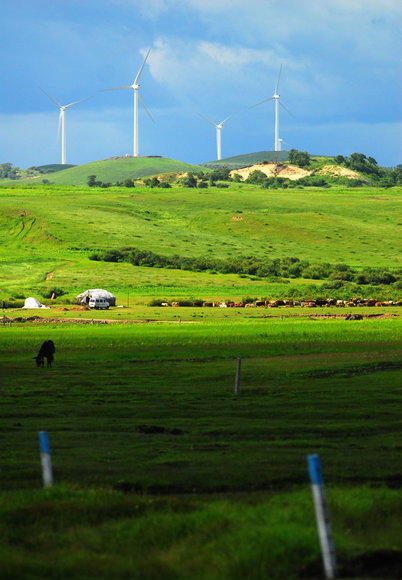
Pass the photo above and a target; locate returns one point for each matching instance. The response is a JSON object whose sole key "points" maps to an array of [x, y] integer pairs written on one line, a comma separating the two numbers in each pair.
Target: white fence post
{"points": [[322, 516], [45, 459], [237, 378]]}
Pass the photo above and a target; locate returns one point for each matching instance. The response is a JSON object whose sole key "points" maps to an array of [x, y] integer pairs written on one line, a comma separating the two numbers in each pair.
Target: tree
{"points": [[257, 177], [7, 171], [91, 180], [189, 181], [299, 158], [339, 159]]}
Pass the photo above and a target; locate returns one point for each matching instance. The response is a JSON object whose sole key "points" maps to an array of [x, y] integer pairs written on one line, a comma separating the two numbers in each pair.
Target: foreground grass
{"points": [[163, 473], [72, 533], [151, 406]]}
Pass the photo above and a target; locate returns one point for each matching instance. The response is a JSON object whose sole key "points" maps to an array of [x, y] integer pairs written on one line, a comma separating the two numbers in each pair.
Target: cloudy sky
{"points": [[340, 77]]}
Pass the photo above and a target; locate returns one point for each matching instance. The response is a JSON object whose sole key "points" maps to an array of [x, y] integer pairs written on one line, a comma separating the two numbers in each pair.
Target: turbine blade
{"points": [[51, 98], [227, 119], [142, 66], [277, 82], [261, 102], [287, 110], [115, 89], [206, 119], [146, 110], [76, 102]]}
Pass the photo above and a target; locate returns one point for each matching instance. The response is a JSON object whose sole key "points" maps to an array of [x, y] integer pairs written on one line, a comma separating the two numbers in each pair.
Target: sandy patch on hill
{"points": [[273, 170], [336, 170]]}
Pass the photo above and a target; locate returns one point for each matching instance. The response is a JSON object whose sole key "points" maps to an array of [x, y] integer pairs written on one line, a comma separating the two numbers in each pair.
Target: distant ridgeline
{"points": [[263, 268], [248, 159], [268, 169]]}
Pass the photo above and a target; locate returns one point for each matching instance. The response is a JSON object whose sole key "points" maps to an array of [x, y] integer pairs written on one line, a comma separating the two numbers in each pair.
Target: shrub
{"points": [[55, 290], [12, 303], [157, 302]]}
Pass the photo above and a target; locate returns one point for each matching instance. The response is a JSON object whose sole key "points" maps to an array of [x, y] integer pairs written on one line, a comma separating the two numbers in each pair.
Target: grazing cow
{"points": [[47, 351]]}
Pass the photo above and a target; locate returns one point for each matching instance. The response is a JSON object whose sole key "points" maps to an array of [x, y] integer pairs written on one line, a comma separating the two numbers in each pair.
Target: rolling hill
{"points": [[118, 169], [248, 159], [47, 243]]}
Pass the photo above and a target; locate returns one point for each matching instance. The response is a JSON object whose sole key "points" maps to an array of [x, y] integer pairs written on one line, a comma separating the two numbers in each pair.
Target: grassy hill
{"points": [[118, 169], [248, 159], [48, 243]]}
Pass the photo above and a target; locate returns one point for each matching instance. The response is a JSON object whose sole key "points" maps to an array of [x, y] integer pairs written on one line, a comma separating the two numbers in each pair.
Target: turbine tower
{"points": [[62, 122], [136, 87], [218, 128], [275, 97]]}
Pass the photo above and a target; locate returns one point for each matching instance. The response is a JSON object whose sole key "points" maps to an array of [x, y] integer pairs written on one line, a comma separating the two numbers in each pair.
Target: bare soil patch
{"points": [[273, 170]]}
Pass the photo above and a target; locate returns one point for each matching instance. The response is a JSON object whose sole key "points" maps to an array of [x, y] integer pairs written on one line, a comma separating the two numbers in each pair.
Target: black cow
{"points": [[47, 351]]}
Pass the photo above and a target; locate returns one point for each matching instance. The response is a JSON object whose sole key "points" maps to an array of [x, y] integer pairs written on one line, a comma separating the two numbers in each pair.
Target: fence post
{"points": [[237, 378], [45, 459], [322, 516]]}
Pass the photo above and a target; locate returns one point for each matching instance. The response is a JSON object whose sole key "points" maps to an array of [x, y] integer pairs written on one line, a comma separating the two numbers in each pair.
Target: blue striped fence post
{"points": [[322, 516], [45, 459]]}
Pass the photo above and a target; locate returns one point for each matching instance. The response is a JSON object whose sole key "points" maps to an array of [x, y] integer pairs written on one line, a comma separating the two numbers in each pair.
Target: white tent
{"points": [[33, 303], [85, 297]]}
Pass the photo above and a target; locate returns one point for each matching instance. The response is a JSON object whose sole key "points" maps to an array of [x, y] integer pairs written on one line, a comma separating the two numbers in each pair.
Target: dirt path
{"points": [[42, 320], [49, 275]]}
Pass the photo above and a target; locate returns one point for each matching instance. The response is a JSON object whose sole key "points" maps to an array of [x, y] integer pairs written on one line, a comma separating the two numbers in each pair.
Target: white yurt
{"points": [[86, 296], [33, 303]]}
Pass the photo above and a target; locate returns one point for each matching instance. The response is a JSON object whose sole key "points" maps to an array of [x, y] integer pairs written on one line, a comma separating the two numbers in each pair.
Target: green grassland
{"points": [[47, 234], [112, 170], [162, 471], [247, 159], [71, 533]]}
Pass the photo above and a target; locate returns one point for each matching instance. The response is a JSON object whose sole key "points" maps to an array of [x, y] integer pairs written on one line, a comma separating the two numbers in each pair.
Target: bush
{"points": [[189, 181], [12, 303], [157, 301], [256, 177], [55, 290]]}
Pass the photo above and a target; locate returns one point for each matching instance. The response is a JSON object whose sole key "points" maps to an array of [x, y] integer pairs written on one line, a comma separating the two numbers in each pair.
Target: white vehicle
{"points": [[98, 303]]}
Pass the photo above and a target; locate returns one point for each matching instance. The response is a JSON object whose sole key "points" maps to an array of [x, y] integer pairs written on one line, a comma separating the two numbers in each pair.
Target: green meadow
{"points": [[47, 234], [161, 470], [112, 170]]}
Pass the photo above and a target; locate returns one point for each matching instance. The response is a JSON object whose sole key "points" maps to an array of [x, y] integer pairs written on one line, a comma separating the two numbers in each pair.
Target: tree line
{"points": [[289, 267]]}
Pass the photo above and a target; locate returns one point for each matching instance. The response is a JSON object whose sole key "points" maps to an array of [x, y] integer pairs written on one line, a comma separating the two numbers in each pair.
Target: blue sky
{"points": [[340, 77]]}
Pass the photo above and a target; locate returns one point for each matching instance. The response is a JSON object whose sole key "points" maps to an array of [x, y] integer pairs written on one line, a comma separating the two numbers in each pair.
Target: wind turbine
{"points": [[135, 87], [62, 122], [275, 97], [218, 128]]}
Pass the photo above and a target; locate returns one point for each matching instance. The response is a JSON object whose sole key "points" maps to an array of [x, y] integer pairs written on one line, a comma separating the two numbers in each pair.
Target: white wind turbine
{"points": [[275, 97], [135, 87], [218, 128], [62, 122]]}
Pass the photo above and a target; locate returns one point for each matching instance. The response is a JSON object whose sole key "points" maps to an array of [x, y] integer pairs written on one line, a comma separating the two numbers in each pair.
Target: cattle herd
{"points": [[288, 303]]}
